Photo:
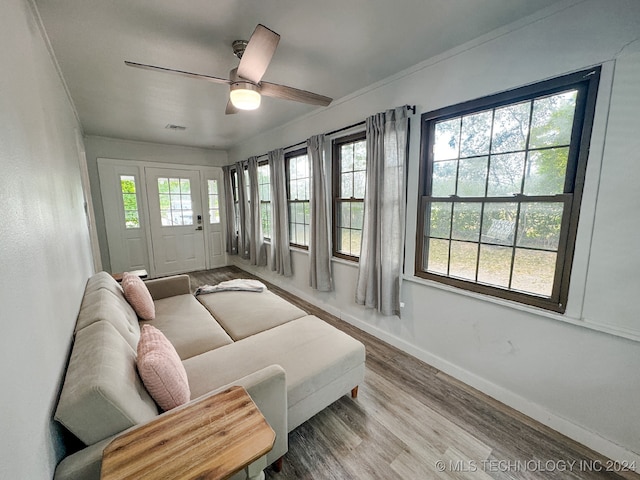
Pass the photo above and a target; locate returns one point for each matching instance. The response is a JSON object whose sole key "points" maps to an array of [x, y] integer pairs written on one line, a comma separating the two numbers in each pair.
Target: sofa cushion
{"points": [[102, 280], [138, 296], [103, 304], [243, 314], [188, 326], [161, 370], [312, 353], [102, 392]]}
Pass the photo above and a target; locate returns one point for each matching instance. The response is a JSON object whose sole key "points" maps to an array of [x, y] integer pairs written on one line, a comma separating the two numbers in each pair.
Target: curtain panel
{"points": [[319, 238], [231, 238], [243, 211], [280, 258], [383, 234], [257, 253]]}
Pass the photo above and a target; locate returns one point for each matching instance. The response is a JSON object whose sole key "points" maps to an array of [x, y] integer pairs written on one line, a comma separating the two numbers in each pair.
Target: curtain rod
{"points": [[333, 132]]}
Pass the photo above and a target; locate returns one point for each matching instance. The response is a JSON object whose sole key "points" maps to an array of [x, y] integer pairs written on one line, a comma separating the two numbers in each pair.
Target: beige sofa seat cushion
{"points": [[188, 326], [243, 314], [312, 353], [102, 392], [105, 305]]}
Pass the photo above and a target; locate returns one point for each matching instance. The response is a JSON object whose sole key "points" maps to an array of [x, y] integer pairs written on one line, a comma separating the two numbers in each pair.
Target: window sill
{"points": [[525, 308]]}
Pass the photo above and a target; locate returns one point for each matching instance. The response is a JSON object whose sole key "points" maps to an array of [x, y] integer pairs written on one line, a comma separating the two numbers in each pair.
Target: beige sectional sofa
{"points": [[292, 364]]}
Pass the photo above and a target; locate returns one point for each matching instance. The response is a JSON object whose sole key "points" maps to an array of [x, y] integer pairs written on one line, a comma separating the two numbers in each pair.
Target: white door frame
{"points": [[106, 185]]}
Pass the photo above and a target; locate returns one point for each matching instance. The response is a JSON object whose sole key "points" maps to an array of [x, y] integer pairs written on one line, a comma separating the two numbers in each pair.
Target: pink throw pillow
{"points": [[138, 296], [161, 370]]}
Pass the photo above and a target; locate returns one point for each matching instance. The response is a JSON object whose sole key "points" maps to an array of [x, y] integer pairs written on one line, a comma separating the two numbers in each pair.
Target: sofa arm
{"points": [[267, 388], [169, 286]]}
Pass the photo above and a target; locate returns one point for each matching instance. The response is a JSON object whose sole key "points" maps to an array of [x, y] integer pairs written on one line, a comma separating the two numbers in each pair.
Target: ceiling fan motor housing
{"points": [[239, 46]]}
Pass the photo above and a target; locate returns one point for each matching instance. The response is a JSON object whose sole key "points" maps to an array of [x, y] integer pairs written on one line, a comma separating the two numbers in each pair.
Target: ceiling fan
{"points": [[245, 82]]}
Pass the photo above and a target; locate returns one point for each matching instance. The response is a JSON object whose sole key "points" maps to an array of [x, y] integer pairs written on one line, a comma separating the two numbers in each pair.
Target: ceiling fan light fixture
{"points": [[245, 96]]}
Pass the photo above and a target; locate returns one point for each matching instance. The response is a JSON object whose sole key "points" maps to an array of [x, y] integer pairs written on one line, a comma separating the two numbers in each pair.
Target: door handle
{"points": [[199, 228]]}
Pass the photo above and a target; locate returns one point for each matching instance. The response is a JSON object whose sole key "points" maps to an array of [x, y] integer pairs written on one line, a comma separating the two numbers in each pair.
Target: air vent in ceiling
{"points": [[171, 126]]}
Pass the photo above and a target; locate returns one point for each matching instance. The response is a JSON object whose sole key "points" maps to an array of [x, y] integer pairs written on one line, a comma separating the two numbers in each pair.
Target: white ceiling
{"points": [[331, 47]]}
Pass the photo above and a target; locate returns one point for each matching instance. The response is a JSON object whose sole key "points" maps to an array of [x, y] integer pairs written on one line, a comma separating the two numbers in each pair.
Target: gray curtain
{"points": [[382, 249], [319, 238], [257, 253], [243, 212], [280, 258], [230, 233]]}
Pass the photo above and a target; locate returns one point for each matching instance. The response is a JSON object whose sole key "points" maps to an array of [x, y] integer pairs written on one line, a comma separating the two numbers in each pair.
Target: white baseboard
{"points": [[576, 432]]}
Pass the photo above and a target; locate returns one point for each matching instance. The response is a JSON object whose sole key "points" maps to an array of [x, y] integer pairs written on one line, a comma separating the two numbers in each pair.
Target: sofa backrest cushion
{"points": [[104, 304], [102, 280], [102, 393]]}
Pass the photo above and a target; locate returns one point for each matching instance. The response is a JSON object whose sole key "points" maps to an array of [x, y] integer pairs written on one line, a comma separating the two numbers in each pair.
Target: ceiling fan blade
{"points": [[231, 109], [295, 94], [179, 72], [256, 57]]}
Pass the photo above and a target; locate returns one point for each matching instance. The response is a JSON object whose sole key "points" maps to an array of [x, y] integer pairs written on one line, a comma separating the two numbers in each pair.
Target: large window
{"points": [[349, 177], [501, 181], [264, 192], [298, 176], [175, 201]]}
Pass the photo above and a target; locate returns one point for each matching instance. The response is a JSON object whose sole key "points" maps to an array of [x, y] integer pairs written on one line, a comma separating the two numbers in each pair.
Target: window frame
{"points": [[336, 188], [263, 163], [586, 82], [287, 159]]}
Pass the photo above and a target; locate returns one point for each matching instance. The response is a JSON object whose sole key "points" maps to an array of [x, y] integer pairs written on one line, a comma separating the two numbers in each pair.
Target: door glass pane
{"points": [[212, 196], [175, 201], [129, 201]]}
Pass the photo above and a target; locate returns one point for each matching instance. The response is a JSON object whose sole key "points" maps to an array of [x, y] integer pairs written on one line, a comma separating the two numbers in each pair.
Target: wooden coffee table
{"points": [[213, 438]]}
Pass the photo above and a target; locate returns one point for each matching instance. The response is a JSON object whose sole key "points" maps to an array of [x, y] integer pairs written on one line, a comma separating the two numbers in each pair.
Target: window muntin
{"points": [[501, 186], [349, 178], [130, 201], [175, 201], [298, 187], [264, 192], [214, 201]]}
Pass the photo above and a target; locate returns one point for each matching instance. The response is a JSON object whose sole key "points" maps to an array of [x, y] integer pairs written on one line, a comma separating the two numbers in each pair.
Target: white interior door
{"points": [[214, 218], [176, 220]]}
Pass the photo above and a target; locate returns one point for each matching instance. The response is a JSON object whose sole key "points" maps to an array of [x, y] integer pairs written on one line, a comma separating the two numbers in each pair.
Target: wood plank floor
{"points": [[412, 421]]}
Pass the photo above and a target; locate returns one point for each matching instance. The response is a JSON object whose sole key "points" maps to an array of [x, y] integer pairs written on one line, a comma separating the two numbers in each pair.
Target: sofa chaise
{"points": [[292, 364]]}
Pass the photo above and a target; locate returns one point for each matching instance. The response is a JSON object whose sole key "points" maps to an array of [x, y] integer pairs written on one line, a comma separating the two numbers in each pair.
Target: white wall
{"points": [[102, 147], [580, 381], [45, 256]]}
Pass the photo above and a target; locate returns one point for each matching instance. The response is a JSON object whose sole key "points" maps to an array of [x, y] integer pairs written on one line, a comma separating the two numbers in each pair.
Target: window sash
{"points": [[585, 83], [293, 224], [338, 224]]}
